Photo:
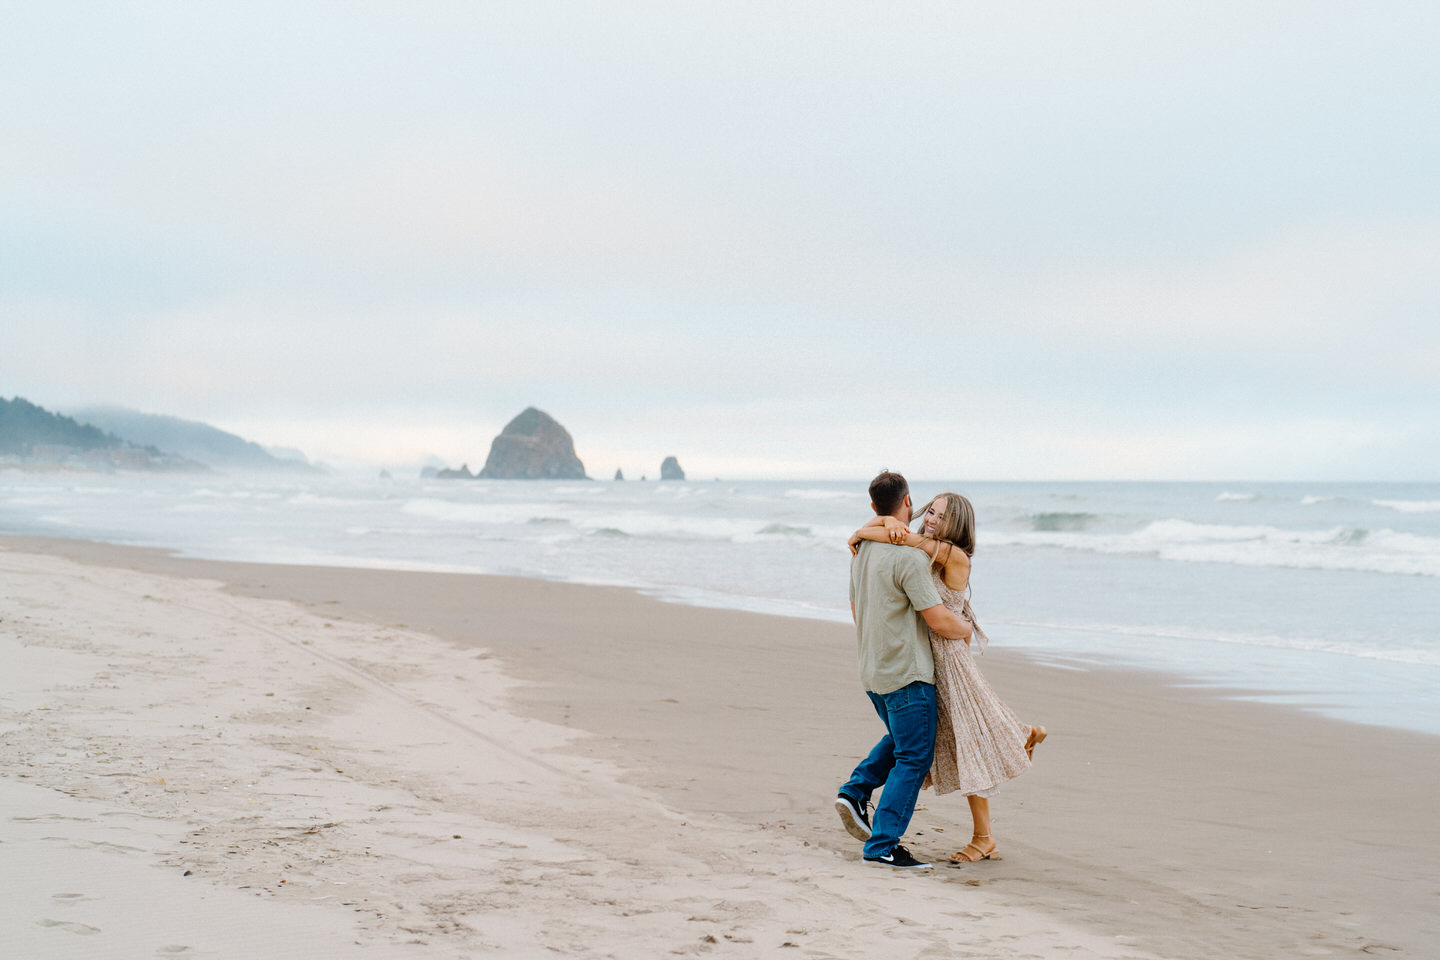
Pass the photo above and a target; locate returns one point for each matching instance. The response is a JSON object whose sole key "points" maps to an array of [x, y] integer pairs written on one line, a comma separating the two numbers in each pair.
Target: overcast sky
{"points": [[988, 241]]}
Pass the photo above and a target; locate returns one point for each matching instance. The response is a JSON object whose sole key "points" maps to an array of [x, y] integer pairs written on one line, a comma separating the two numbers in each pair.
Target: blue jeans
{"points": [[898, 763]]}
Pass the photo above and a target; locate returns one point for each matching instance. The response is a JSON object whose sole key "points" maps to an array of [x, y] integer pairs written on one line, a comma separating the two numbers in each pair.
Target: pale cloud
{"points": [[1306, 285], [1048, 240]]}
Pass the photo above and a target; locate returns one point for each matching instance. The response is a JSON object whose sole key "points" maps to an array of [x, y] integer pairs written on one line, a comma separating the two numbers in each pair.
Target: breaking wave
{"points": [[1332, 548]]}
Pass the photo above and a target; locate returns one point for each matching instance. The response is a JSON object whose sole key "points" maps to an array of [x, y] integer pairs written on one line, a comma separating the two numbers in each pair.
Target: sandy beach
{"points": [[233, 760]]}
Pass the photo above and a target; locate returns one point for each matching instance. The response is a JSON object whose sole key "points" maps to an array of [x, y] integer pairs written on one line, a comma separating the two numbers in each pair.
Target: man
{"points": [[893, 600]]}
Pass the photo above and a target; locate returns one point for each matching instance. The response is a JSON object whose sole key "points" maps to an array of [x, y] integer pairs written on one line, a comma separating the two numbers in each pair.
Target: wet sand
{"points": [[649, 779]]}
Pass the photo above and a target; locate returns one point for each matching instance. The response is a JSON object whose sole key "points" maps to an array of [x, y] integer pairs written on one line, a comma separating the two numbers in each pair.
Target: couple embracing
{"points": [[944, 726]]}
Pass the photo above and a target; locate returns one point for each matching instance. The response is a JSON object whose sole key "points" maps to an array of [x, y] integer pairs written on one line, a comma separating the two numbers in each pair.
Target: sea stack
{"points": [[618, 474], [533, 447], [670, 470]]}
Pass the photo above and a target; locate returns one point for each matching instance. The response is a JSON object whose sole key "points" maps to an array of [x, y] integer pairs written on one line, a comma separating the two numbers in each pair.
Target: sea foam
{"points": [[1329, 548], [1409, 506]]}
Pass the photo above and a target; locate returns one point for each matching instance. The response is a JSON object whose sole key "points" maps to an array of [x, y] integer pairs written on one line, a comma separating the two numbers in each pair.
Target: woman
{"points": [[979, 744]]}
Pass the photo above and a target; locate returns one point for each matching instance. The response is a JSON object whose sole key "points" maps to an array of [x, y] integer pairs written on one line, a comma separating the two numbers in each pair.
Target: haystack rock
{"points": [[670, 470], [619, 475], [533, 447]]}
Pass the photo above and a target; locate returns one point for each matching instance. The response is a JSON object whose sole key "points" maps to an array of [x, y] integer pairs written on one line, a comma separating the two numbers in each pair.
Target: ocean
{"points": [[1324, 596]]}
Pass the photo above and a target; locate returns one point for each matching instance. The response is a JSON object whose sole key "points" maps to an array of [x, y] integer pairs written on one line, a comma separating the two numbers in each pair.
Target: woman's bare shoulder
{"points": [[957, 570]]}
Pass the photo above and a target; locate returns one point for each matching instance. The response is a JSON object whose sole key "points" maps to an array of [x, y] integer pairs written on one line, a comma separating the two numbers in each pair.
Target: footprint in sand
{"points": [[51, 816], [82, 928]]}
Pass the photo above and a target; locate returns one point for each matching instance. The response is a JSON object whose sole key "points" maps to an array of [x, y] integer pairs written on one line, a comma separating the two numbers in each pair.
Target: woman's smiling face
{"points": [[933, 515]]}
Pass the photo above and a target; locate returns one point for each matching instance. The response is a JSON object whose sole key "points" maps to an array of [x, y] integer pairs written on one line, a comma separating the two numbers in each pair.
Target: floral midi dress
{"points": [[979, 742]]}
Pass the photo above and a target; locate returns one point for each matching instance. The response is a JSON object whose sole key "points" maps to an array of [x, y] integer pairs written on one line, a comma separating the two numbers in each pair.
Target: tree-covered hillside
{"points": [[23, 425], [188, 438]]}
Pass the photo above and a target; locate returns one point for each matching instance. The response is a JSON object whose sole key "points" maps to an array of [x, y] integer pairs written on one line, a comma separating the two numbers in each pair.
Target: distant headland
{"points": [[105, 439]]}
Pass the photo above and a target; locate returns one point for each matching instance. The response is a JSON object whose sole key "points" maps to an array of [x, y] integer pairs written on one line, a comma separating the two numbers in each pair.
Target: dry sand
{"points": [[387, 764]]}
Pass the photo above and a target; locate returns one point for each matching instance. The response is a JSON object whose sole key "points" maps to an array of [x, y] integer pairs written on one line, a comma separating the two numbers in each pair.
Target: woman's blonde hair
{"points": [[956, 526]]}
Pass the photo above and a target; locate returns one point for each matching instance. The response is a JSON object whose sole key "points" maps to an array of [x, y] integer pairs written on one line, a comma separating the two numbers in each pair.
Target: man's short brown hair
{"points": [[887, 491]]}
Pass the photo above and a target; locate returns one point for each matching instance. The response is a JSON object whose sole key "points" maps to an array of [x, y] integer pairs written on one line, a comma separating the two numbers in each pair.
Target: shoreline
{"points": [[1113, 650], [1268, 616], [1161, 817]]}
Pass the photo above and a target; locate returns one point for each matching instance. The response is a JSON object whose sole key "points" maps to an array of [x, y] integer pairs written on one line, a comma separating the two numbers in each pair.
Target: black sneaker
{"points": [[898, 857], [855, 816]]}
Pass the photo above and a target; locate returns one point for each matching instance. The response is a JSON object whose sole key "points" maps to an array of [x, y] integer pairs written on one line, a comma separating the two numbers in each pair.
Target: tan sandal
{"points": [[973, 854], [1037, 737]]}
